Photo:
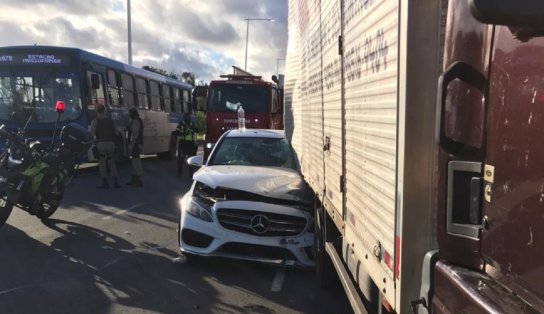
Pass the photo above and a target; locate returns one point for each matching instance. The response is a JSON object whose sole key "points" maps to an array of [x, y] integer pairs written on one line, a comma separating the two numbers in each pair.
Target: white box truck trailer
{"points": [[427, 178], [360, 88]]}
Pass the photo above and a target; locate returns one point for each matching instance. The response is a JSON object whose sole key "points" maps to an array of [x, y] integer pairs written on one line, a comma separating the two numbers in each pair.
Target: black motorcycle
{"points": [[33, 175]]}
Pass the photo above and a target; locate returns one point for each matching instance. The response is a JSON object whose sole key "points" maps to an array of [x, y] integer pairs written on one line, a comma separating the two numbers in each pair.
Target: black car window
{"points": [[252, 151]]}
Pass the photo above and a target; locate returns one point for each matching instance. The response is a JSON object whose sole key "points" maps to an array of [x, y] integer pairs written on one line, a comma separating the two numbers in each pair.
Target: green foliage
{"points": [[189, 78], [201, 124], [161, 72]]}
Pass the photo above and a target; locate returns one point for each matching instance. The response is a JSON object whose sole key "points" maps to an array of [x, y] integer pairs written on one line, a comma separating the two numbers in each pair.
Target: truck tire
{"points": [[324, 269], [5, 210]]}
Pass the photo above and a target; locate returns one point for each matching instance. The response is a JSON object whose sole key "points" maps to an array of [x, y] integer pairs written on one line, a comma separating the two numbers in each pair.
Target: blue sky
{"points": [[203, 37]]}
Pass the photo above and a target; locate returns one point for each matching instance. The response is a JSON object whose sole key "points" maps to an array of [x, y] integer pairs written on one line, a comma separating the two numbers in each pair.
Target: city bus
{"points": [[34, 78], [262, 102]]}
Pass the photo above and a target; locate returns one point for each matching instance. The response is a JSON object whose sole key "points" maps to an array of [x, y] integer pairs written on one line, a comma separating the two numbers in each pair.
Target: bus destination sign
{"points": [[34, 59]]}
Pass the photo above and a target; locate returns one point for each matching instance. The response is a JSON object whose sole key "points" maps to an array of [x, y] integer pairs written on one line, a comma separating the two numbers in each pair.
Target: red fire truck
{"points": [[262, 102]]}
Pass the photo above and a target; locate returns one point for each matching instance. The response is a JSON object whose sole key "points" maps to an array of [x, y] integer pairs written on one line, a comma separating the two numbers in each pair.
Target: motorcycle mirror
{"points": [[59, 107]]}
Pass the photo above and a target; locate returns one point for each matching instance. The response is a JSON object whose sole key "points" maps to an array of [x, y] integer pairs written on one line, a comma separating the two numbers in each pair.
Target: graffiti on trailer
{"points": [[353, 8], [367, 58]]}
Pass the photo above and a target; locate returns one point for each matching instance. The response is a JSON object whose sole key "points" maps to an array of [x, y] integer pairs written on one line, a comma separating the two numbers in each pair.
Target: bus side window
{"points": [[128, 99], [141, 89], [155, 96], [177, 100], [98, 96], [186, 101], [275, 105], [166, 97], [113, 89]]}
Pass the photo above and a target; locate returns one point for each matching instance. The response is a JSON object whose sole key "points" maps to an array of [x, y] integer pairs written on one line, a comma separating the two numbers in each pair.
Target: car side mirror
{"points": [[95, 81], [527, 13], [195, 161]]}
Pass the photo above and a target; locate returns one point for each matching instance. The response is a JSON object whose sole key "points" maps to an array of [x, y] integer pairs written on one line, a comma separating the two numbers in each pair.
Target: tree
{"points": [[160, 71], [189, 78]]}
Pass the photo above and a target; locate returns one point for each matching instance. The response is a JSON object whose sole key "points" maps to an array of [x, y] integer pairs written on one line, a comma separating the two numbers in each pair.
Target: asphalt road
{"points": [[115, 251]]}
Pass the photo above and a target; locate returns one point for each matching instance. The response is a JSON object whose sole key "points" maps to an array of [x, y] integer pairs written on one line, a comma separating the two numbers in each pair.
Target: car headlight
{"points": [[201, 202], [196, 210]]}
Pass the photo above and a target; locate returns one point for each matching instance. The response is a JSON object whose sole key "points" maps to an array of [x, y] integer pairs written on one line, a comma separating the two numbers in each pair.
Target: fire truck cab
{"points": [[261, 101]]}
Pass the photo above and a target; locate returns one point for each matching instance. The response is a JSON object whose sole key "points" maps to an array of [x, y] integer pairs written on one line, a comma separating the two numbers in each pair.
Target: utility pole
{"points": [[129, 34], [247, 33], [278, 65]]}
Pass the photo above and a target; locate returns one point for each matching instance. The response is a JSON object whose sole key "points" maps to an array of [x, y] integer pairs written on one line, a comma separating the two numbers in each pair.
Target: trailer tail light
{"points": [[387, 260]]}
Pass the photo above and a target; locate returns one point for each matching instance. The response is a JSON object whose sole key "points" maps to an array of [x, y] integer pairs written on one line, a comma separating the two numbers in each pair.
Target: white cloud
{"points": [[204, 37]]}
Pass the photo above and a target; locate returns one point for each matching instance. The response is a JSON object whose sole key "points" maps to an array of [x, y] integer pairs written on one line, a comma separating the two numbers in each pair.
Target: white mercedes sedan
{"points": [[249, 202]]}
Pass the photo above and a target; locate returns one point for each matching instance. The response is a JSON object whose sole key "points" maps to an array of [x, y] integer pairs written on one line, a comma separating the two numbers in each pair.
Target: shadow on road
{"points": [[87, 278]]}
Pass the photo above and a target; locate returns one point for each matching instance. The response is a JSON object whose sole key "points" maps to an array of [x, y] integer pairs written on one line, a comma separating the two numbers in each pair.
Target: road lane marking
{"points": [[277, 283], [15, 289], [123, 211]]}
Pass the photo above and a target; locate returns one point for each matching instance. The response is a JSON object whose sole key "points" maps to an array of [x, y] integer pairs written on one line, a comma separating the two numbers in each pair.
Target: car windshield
{"points": [[20, 93], [248, 151], [228, 97]]}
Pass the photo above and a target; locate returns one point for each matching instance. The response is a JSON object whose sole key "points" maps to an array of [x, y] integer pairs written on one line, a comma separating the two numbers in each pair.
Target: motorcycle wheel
{"points": [[51, 202], [5, 210]]}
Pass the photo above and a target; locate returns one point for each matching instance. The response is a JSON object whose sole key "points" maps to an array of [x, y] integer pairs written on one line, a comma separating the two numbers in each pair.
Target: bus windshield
{"points": [[229, 97], [23, 92]]}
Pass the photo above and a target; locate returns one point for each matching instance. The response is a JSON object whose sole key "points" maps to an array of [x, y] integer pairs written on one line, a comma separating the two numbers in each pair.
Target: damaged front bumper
{"points": [[248, 230]]}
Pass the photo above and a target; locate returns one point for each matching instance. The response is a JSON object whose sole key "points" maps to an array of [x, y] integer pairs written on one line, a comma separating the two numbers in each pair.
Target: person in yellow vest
{"points": [[185, 132], [104, 133]]}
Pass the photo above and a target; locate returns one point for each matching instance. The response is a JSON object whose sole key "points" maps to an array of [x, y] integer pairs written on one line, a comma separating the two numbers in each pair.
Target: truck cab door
{"points": [[512, 245], [461, 136]]}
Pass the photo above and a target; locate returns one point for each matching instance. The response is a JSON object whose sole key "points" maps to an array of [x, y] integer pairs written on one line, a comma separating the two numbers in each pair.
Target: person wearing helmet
{"points": [[104, 132], [135, 132]]}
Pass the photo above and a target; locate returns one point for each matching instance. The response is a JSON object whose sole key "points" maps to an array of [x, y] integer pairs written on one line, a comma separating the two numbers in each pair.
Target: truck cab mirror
{"points": [[528, 13], [95, 81]]}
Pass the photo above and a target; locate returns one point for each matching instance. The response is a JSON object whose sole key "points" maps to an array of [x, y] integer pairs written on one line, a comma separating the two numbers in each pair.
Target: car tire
{"points": [[324, 269]]}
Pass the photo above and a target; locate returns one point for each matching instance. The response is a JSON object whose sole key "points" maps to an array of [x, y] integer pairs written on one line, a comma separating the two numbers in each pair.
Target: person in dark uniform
{"points": [[185, 132], [104, 133], [135, 138]]}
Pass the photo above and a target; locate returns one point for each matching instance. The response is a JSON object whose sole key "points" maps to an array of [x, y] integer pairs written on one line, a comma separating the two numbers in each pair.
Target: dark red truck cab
{"points": [[490, 202]]}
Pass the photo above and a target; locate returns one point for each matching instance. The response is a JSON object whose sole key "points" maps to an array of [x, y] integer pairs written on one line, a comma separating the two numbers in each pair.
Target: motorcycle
{"points": [[33, 175]]}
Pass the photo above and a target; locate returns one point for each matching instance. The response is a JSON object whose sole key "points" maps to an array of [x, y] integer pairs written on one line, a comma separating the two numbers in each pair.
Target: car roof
{"points": [[256, 133]]}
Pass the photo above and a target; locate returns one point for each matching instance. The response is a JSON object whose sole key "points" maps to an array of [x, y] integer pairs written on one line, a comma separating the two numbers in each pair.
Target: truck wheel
{"points": [[324, 269], [5, 210]]}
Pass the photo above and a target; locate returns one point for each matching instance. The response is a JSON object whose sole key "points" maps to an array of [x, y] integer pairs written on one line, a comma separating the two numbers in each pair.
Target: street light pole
{"points": [[278, 65], [129, 34], [247, 33]]}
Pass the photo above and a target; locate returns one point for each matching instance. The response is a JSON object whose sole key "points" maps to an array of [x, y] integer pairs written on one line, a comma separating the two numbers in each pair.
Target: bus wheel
{"points": [[171, 153]]}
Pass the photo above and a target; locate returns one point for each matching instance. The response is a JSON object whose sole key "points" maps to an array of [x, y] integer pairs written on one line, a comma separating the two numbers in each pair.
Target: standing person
{"points": [[185, 133], [104, 132], [135, 138]]}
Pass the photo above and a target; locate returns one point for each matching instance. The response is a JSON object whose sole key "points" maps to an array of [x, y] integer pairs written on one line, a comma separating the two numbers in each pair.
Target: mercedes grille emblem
{"points": [[260, 224]]}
